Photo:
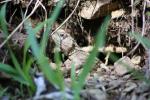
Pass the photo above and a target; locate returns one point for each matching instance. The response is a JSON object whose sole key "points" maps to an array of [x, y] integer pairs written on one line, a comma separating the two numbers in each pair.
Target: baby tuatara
{"points": [[78, 55]]}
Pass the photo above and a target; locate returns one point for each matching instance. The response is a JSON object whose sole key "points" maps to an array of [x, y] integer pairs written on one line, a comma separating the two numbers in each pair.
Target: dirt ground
{"points": [[108, 80]]}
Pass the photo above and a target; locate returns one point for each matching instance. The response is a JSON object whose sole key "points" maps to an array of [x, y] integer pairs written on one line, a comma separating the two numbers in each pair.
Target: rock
{"points": [[141, 97], [94, 94], [115, 83], [77, 58], [55, 95], [134, 97], [136, 60], [129, 87], [143, 87], [40, 85], [94, 84], [126, 77], [93, 9], [123, 66], [113, 77]]}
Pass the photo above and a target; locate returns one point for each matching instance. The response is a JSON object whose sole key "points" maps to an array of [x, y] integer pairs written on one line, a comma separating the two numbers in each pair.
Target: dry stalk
{"points": [[25, 13], [132, 17], [10, 20], [27, 8], [148, 50], [65, 19], [143, 29], [41, 6], [45, 14]]}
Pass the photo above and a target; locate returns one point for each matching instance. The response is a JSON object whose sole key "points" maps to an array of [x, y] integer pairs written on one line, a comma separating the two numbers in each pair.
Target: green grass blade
{"points": [[28, 28], [25, 50], [7, 69], [143, 40], [26, 70], [148, 13], [50, 22], [39, 53], [31, 39], [73, 76], [17, 66], [49, 73], [58, 70], [41, 59], [74, 83], [20, 79], [3, 23], [27, 66], [100, 40], [3, 91]]}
